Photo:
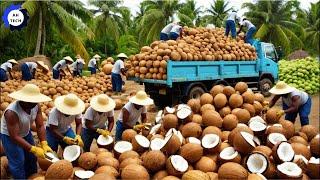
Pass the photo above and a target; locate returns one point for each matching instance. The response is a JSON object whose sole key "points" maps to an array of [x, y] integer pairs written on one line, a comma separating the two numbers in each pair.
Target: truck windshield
{"points": [[270, 52]]}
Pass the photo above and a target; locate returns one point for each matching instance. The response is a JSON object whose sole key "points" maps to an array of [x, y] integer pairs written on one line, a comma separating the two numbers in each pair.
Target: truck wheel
{"points": [[195, 92], [265, 85]]}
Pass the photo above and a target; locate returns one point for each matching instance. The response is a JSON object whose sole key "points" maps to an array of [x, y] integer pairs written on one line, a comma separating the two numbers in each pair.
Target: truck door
{"points": [[270, 64]]}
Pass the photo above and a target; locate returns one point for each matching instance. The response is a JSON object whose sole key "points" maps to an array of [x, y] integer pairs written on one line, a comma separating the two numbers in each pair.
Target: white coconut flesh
{"points": [[194, 140], [104, 141], [179, 163], [122, 146], [277, 125], [285, 152], [274, 138], [257, 140], [290, 169], [170, 110], [228, 153], [314, 160], [300, 157], [257, 163], [241, 125], [317, 136], [248, 137], [71, 153], [210, 141], [257, 119], [175, 132], [159, 117], [84, 174], [171, 131], [52, 157], [257, 126], [154, 129], [142, 141], [183, 113], [156, 144]]}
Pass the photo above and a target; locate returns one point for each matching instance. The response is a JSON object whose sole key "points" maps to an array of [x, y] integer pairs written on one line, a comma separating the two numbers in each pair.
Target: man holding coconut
{"points": [[117, 70], [28, 69], [7, 68], [57, 70]]}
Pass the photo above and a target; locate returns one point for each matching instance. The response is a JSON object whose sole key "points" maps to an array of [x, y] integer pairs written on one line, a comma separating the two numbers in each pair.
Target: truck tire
{"points": [[264, 86], [195, 92]]}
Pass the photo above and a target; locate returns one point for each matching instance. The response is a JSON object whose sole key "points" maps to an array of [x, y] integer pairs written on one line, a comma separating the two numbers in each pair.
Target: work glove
{"points": [[265, 103], [280, 113], [138, 127], [45, 147], [79, 140], [103, 132], [37, 151], [69, 140]]}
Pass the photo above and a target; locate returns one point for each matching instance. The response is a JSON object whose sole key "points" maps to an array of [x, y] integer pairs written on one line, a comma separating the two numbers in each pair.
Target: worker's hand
{"points": [[103, 132], [45, 147], [69, 140], [280, 113], [138, 127], [79, 140], [265, 103], [37, 151]]}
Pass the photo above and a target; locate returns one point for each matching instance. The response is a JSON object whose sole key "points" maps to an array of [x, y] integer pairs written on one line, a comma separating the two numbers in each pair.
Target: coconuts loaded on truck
{"points": [[175, 71]]}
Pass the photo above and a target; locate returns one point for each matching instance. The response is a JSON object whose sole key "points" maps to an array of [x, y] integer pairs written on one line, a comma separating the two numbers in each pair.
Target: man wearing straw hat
{"points": [[117, 70], [77, 66], [131, 112], [28, 69], [16, 136], [68, 108], [93, 64], [7, 67], [294, 101], [98, 119], [57, 70]]}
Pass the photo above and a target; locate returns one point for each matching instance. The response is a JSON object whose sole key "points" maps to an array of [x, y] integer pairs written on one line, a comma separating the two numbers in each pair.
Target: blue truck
{"points": [[190, 79]]}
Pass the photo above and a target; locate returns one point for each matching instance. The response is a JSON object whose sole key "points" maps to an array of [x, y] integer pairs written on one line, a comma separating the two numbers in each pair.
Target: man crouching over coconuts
{"points": [[16, 136], [294, 102], [131, 112], [97, 117], [68, 108]]}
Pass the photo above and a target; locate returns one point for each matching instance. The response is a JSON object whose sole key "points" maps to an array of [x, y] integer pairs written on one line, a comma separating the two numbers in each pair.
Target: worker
{"points": [[68, 108], [176, 31], [16, 137], [231, 24], [164, 34], [294, 101], [117, 70], [6, 68], [77, 66], [57, 69], [251, 29], [98, 119], [93, 64], [28, 69], [131, 112]]}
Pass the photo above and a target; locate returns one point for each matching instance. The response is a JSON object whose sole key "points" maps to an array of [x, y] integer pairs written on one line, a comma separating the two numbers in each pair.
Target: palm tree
{"points": [[274, 22], [128, 44], [56, 16], [189, 14], [217, 12]]}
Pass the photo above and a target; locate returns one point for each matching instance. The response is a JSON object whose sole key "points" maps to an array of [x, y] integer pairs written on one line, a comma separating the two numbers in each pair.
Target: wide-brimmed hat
{"points": [[68, 58], [141, 98], [13, 61], [30, 93], [69, 104], [102, 103], [97, 56], [281, 88], [78, 56], [42, 65], [122, 55]]}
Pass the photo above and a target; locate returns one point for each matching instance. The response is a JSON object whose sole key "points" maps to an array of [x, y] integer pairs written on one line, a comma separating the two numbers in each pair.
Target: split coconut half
{"points": [[176, 165], [169, 110], [314, 168], [275, 138], [283, 152], [121, 147], [105, 142], [301, 161], [258, 127], [82, 174], [140, 143], [193, 140], [229, 154], [183, 111], [154, 129], [172, 142], [257, 162], [211, 143], [243, 142], [71, 153], [288, 170], [156, 144], [159, 117]]}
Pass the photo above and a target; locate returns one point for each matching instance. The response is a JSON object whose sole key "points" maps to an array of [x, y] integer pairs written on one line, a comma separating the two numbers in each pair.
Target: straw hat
{"points": [[141, 98], [102, 103], [122, 55], [69, 104], [97, 56], [78, 56], [29, 93], [68, 58], [13, 61], [41, 63], [281, 88]]}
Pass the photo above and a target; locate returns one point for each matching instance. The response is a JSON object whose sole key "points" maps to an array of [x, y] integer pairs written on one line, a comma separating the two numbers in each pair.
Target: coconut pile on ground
{"points": [[196, 44]]}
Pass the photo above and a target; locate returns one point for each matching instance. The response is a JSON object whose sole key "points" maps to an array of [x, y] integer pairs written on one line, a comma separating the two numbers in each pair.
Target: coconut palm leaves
{"points": [[217, 12], [189, 14]]}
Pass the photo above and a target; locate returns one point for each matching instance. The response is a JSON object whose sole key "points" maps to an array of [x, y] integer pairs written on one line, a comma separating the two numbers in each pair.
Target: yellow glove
{"points": [[37, 151], [265, 103], [79, 140], [103, 132], [280, 113], [265, 109], [138, 127], [69, 140], [45, 147]]}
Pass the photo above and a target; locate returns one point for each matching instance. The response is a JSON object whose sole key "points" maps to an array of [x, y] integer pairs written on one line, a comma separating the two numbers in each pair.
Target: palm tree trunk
{"points": [[43, 39], [37, 50]]}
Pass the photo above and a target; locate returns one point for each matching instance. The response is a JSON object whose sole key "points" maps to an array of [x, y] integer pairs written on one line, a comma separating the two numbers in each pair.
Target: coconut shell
{"points": [[313, 170], [212, 130], [315, 146], [128, 135], [172, 146], [195, 105], [216, 90], [235, 101], [102, 176], [310, 130], [44, 163], [257, 107], [289, 128], [259, 97], [231, 170], [207, 107], [236, 130], [110, 161], [225, 111], [236, 159], [170, 178], [134, 171], [248, 97], [206, 164], [271, 171], [225, 135], [154, 161], [228, 91], [61, 169], [213, 175], [220, 100], [128, 161], [263, 149], [275, 129], [206, 98], [243, 115], [299, 139], [230, 122], [160, 175], [171, 170], [303, 135], [197, 118], [241, 145], [250, 108], [128, 154], [271, 116], [88, 160], [137, 147], [191, 152], [255, 177], [195, 174], [191, 129], [107, 170], [301, 149], [211, 118], [285, 176], [170, 121]]}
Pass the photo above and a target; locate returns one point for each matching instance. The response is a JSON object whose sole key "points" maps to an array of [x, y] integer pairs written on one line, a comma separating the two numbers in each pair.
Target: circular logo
{"points": [[15, 18]]}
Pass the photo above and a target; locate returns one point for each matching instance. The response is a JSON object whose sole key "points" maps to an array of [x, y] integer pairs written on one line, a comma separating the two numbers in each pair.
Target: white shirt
{"points": [[118, 65], [167, 28], [176, 29], [77, 65], [63, 122], [233, 16], [98, 120], [63, 64], [24, 119], [134, 114], [6, 66], [246, 24], [92, 63], [303, 97], [32, 65]]}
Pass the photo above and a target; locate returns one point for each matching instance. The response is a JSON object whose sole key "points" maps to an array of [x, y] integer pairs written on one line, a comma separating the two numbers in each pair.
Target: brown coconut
{"points": [[172, 146], [235, 101], [87, 160], [191, 129], [225, 111], [225, 135], [206, 98], [128, 154], [110, 161], [303, 135], [288, 126], [206, 107], [315, 146], [194, 105], [228, 91], [61, 169], [275, 129], [241, 144], [211, 118], [160, 175], [236, 130], [102, 176], [206, 164], [231, 170], [243, 115], [248, 97], [191, 152], [264, 149], [171, 170], [313, 170], [230, 122], [107, 170], [220, 100], [170, 178], [216, 90], [195, 174], [271, 116], [128, 135], [134, 171], [213, 175], [310, 130], [212, 130], [103, 155], [250, 108], [241, 87], [301, 149], [197, 118], [170, 121], [257, 107], [298, 139], [128, 161], [259, 97], [154, 161]]}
